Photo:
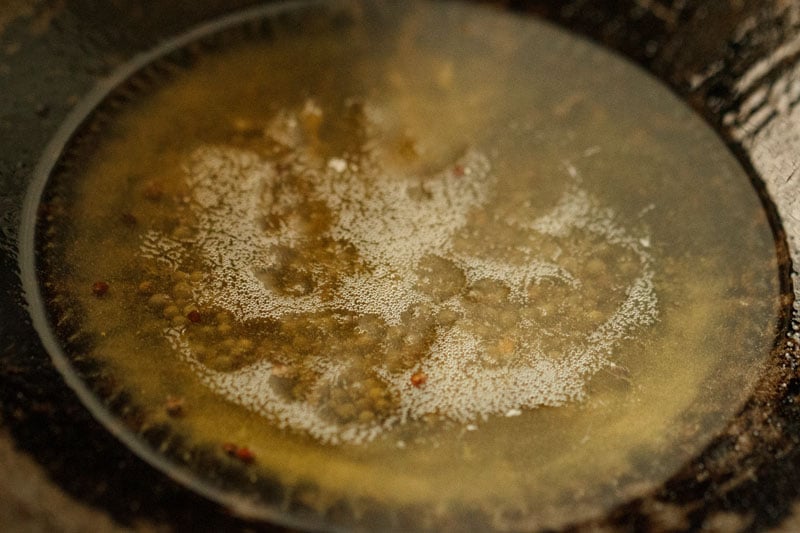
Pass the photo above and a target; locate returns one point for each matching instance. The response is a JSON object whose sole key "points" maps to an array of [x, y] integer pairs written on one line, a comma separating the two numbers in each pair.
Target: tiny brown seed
{"points": [[99, 288]]}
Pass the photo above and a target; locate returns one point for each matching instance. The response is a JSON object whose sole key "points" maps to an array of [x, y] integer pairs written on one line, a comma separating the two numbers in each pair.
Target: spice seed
{"points": [[99, 288]]}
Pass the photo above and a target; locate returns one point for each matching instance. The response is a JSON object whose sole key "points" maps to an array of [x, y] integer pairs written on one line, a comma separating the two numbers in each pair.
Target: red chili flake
{"points": [[418, 379], [194, 316], [245, 455], [99, 288], [230, 448], [459, 170]]}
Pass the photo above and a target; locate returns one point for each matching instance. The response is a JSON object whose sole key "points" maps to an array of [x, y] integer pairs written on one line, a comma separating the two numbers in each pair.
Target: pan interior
{"points": [[433, 258]]}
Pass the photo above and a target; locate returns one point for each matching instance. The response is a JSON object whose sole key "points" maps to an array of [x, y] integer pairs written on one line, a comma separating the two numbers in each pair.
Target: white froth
{"points": [[514, 276], [393, 220]]}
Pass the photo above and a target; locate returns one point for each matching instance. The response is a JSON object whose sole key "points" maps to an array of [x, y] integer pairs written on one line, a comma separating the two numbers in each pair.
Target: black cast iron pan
{"points": [[736, 63]]}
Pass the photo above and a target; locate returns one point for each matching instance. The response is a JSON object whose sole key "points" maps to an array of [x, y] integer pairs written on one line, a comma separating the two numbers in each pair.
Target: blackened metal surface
{"points": [[736, 62]]}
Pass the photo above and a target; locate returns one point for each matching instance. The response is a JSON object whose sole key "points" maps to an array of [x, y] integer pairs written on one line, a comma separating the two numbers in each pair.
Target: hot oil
{"points": [[443, 257]]}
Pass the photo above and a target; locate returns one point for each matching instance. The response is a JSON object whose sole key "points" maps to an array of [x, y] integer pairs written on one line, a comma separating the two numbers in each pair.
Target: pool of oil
{"points": [[428, 256]]}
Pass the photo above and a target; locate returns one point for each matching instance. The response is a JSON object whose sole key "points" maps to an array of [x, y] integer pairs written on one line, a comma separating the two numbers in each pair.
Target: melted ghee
{"points": [[444, 257]]}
